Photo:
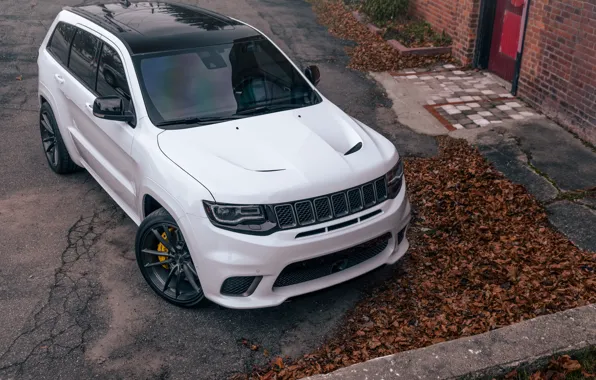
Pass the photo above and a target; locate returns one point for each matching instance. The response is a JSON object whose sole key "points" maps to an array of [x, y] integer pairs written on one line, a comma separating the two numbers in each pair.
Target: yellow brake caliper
{"points": [[162, 248]]}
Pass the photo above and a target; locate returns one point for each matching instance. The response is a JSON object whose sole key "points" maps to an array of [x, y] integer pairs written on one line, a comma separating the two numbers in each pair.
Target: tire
{"points": [[165, 262], [53, 144]]}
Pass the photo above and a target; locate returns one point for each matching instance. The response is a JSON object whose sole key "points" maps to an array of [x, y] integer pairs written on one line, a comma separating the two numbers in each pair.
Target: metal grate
{"points": [[305, 213], [236, 285], [381, 189], [368, 194], [318, 267], [285, 216], [322, 209], [340, 204], [355, 200]]}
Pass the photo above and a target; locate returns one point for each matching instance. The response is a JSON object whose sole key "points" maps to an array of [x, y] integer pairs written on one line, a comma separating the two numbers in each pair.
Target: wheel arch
{"points": [[155, 197]]}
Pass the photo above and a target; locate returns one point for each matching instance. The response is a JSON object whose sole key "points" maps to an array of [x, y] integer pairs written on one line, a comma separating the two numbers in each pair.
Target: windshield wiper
{"points": [[271, 108], [198, 120]]}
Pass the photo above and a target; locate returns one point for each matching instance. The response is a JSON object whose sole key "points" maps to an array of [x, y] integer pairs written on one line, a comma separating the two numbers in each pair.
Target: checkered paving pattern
{"points": [[465, 99]]}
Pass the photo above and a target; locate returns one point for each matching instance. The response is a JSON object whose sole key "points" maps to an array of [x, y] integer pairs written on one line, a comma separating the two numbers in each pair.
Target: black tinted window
{"points": [[111, 79], [83, 57], [60, 41], [221, 81]]}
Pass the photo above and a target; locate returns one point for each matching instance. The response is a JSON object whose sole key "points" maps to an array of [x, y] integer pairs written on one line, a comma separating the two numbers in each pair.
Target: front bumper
{"points": [[220, 254]]}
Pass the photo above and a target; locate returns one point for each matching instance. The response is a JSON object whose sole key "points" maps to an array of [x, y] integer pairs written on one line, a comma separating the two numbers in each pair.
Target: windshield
{"points": [[221, 82]]}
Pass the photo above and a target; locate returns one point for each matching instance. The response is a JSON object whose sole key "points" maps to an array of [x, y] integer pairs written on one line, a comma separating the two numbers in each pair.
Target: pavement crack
{"points": [[528, 156], [60, 324]]}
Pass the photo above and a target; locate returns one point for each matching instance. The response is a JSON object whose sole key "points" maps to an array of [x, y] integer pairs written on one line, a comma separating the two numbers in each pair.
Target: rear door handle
{"points": [[59, 78]]}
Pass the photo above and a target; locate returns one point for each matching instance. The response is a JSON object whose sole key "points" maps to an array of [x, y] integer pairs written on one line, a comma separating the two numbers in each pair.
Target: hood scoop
{"points": [[354, 149]]}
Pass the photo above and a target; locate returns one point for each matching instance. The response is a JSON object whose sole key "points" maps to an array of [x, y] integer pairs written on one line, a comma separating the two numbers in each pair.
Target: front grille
{"points": [[318, 210], [236, 285], [318, 267]]}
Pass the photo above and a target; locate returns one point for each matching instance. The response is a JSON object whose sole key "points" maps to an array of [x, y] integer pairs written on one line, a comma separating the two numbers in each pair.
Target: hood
{"points": [[281, 156]]}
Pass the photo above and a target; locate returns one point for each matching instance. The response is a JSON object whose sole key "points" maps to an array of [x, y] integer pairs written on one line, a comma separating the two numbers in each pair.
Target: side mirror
{"points": [[111, 108], [313, 74]]}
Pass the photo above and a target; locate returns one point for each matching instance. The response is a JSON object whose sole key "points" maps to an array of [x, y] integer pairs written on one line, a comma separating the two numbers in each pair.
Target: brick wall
{"points": [[458, 18], [558, 73]]}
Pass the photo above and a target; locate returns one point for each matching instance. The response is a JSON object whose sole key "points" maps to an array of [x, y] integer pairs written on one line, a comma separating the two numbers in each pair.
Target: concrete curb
{"points": [[490, 354], [397, 45]]}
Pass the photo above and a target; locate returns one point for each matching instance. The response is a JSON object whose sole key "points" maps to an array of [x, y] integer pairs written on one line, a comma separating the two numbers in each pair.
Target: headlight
{"points": [[394, 179], [242, 218], [234, 214]]}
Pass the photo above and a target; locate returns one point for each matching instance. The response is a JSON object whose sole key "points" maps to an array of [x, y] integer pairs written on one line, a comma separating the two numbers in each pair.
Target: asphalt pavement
{"points": [[72, 300]]}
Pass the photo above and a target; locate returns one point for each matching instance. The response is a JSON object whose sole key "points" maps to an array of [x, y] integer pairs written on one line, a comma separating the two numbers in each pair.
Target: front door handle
{"points": [[89, 107], [59, 78]]}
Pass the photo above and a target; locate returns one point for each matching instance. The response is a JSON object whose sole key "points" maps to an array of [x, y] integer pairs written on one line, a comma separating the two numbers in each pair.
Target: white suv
{"points": [[248, 185]]}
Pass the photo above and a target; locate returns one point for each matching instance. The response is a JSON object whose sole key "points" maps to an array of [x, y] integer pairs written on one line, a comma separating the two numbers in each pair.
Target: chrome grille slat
{"points": [[322, 209]]}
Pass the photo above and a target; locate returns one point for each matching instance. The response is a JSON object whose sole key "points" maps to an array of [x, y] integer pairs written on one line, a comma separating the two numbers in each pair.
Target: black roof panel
{"points": [[147, 27]]}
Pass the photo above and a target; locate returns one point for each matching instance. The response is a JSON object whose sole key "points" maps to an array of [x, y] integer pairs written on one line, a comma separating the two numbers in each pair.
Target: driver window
{"points": [[111, 78]]}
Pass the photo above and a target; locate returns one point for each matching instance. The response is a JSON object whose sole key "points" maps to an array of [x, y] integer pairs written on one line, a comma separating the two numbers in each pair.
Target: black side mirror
{"points": [[111, 108], [313, 74]]}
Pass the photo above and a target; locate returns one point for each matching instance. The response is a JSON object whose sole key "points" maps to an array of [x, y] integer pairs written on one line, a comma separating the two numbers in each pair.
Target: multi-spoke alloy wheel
{"points": [[52, 142], [165, 261]]}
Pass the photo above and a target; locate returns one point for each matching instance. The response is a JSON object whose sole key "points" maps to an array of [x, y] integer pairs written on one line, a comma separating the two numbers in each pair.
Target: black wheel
{"points": [[165, 262], [53, 144]]}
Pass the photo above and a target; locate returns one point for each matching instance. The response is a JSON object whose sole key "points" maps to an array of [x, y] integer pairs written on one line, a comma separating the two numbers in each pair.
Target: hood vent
{"points": [[354, 149]]}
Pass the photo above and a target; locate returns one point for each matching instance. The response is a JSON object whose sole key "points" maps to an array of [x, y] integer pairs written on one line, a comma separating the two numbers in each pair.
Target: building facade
{"points": [[545, 48]]}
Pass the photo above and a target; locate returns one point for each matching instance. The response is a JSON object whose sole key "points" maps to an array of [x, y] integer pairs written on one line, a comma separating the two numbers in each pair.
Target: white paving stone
{"points": [[488, 92], [496, 122], [412, 76], [467, 98], [478, 98], [513, 104], [426, 77], [453, 111], [504, 107], [449, 66], [473, 105], [436, 97], [485, 113], [482, 122], [409, 72], [472, 90], [479, 85], [447, 107], [453, 100], [458, 126], [517, 117], [506, 95], [526, 113], [475, 117], [459, 72], [463, 108]]}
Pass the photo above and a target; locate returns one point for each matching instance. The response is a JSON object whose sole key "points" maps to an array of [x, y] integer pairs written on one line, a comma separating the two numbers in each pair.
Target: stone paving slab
{"points": [[486, 355], [464, 99]]}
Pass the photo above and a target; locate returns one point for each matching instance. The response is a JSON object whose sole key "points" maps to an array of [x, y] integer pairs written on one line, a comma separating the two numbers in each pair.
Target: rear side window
{"points": [[83, 57], [60, 41]]}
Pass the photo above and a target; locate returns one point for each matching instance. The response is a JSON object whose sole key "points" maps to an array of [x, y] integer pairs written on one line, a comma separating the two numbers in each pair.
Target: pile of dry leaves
{"points": [[372, 52], [559, 368], [483, 256]]}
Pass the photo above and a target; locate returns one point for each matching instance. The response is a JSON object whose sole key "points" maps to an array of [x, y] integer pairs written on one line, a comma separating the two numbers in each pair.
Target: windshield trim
{"points": [[148, 103]]}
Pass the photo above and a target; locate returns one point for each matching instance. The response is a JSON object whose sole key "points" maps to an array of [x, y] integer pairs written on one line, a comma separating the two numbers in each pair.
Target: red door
{"points": [[506, 37]]}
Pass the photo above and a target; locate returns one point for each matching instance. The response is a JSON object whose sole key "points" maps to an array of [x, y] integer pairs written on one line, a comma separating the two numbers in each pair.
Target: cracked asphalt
{"points": [[72, 301]]}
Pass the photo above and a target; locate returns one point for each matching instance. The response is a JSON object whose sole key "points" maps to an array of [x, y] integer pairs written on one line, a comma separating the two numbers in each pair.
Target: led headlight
{"points": [[251, 219], [234, 214], [394, 179]]}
